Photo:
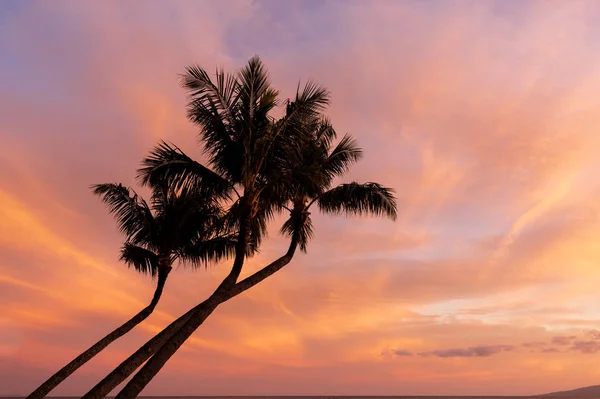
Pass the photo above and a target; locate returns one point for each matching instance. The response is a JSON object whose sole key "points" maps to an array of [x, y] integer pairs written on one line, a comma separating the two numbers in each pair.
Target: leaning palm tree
{"points": [[314, 173], [184, 224], [244, 145], [270, 186]]}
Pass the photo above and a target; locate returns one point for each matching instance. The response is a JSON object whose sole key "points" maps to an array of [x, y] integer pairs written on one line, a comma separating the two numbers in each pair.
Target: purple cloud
{"points": [[550, 350], [595, 334], [563, 340], [402, 352], [558, 344], [587, 347], [534, 344], [472, 351]]}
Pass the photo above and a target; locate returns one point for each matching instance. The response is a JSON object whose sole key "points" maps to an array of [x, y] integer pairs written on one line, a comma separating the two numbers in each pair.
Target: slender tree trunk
{"points": [[83, 358], [127, 367], [222, 294], [241, 248], [134, 361]]}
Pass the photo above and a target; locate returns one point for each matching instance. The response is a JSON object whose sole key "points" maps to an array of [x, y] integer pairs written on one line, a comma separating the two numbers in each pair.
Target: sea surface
{"points": [[336, 397]]}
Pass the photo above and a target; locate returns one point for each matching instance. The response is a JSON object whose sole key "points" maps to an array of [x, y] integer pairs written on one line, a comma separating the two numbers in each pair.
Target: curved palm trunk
{"points": [[129, 365], [83, 358], [201, 313]]}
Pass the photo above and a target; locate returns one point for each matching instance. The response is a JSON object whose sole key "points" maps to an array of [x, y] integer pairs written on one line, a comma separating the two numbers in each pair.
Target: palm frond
{"points": [[168, 164], [195, 218], [204, 252], [216, 108], [254, 84], [268, 100], [132, 213], [257, 99], [302, 230], [141, 259], [311, 101], [325, 133], [359, 199], [290, 135], [303, 113], [342, 157], [223, 95], [259, 224]]}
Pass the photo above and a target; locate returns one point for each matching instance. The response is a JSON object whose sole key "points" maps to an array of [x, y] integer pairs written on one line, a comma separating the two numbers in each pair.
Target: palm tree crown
{"points": [[182, 223], [246, 147], [311, 174]]}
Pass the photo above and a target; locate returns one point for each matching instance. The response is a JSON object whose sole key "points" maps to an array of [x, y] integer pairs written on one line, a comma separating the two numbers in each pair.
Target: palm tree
{"points": [[246, 148], [313, 174], [263, 162], [184, 224]]}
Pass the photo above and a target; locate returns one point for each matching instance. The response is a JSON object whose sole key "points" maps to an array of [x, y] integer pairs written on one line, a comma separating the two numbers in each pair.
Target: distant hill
{"points": [[593, 391]]}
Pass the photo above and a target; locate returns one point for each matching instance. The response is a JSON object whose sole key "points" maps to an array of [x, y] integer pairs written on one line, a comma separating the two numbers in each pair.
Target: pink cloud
{"points": [[472, 351]]}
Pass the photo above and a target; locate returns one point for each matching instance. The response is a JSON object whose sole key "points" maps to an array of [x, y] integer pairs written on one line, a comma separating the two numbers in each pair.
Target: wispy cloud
{"points": [[401, 352], [472, 351], [587, 344], [563, 340]]}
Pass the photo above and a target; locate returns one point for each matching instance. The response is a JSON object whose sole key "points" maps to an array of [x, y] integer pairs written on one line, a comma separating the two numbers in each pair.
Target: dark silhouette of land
{"points": [[587, 392]]}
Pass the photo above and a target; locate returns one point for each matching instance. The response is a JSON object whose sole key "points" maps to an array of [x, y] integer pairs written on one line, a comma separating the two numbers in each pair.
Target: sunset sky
{"points": [[483, 115]]}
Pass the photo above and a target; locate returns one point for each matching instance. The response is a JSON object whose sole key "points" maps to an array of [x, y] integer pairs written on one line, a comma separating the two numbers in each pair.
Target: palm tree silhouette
{"points": [[246, 149], [311, 176], [183, 224], [271, 165]]}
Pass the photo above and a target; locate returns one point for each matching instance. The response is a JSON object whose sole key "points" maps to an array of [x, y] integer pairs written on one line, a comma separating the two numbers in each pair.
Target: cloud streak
{"points": [[558, 344], [472, 351]]}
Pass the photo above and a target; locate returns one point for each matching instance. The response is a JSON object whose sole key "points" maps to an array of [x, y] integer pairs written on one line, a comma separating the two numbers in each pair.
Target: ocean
{"points": [[334, 397]]}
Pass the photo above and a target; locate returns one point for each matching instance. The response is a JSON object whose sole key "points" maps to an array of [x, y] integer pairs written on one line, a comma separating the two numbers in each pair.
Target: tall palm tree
{"points": [[184, 224], [245, 147]]}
